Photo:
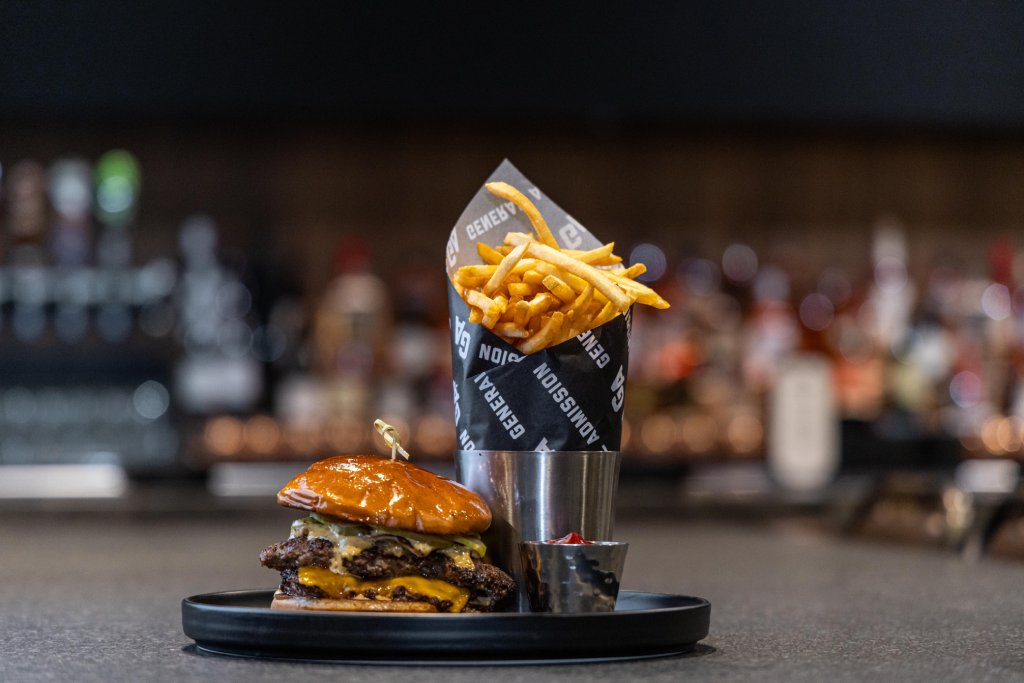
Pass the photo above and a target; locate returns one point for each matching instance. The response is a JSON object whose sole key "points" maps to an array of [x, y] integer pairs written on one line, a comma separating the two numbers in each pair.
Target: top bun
{"points": [[368, 489]]}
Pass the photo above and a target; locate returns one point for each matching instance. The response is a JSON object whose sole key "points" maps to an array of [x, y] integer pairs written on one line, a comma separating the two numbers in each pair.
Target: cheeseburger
{"points": [[384, 536]]}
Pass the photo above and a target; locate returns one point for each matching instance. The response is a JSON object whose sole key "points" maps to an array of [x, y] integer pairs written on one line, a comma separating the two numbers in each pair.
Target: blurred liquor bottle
{"points": [[217, 371], [27, 212], [70, 185], [351, 331], [3, 217], [803, 432], [117, 191], [27, 218], [71, 195], [803, 437]]}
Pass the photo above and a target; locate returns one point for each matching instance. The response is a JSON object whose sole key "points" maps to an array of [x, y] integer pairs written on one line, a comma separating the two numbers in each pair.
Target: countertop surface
{"points": [[96, 597]]}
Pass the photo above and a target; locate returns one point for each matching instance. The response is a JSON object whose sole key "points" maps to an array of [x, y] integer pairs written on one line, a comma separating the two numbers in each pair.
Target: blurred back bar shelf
{"points": [[174, 350], [83, 392]]}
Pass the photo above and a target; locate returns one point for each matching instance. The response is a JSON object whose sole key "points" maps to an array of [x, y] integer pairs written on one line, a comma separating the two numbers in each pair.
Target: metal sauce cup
{"points": [[539, 495], [571, 578]]}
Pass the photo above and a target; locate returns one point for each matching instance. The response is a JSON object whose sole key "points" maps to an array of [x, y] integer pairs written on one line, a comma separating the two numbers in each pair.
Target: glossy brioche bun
{"points": [[282, 601], [367, 489]]}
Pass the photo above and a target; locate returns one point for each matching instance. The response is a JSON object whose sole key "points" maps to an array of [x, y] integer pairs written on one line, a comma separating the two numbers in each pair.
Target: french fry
{"points": [[596, 256], [482, 301], [510, 330], [634, 271], [488, 254], [559, 289], [540, 304], [490, 318], [521, 289], [514, 239], [565, 332], [589, 273], [592, 310], [607, 313], [583, 321], [467, 280], [506, 191], [521, 313], [580, 303], [524, 266], [533, 277], [502, 270], [508, 315], [477, 271], [473, 276], [578, 284], [543, 337], [642, 293]]}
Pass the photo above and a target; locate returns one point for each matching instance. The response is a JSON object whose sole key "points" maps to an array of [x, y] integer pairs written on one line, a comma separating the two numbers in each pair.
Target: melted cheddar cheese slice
{"points": [[340, 585]]}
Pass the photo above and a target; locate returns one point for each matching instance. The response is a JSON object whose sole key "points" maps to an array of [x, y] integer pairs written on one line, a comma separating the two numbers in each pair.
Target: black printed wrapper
{"points": [[567, 397]]}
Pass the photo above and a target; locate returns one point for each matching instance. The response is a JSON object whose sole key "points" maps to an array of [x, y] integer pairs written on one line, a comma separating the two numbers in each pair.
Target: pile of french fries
{"points": [[534, 294]]}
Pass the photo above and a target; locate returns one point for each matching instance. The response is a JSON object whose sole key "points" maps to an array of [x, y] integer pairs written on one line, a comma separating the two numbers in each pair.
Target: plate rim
{"points": [[259, 632], [197, 602]]}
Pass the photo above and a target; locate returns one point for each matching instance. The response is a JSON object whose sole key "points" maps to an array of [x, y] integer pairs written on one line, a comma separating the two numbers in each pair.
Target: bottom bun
{"points": [[282, 601]]}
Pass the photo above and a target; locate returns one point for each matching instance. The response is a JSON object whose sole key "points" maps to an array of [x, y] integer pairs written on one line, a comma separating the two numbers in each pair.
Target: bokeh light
{"points": [[345, 435], [302, 440], [739, 263], [224, 436], [652, 256], [966, 389], [233, 300], [771, 284], [658, 434], [990, 435], [995, 302], [698, 433], [262, 434], [151, 400], [435, 435], [700, 276], [1008, 434], [891, 274], [745, 434], [835, 284], [71, 187], [816, 312]]}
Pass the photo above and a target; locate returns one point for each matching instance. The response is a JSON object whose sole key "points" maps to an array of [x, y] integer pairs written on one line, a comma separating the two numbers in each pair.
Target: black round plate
{"points": [[643, 625]]}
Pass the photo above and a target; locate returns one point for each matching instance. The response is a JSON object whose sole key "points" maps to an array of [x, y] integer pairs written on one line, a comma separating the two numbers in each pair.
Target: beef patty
{"points": [[388, 557]]}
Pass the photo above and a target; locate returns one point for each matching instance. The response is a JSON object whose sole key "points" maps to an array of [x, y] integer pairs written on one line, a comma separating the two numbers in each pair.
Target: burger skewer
{"points": [[390, 436]]}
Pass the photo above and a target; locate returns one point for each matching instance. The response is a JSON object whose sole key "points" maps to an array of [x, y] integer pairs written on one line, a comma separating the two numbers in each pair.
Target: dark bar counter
{"points": [[96, 597]]}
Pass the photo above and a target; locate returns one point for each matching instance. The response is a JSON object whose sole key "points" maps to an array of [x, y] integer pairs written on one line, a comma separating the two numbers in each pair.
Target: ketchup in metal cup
{"points": [[572, 538]]}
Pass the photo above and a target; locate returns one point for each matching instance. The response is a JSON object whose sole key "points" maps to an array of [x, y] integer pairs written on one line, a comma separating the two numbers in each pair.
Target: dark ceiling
{"points": [[872, 63]]}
